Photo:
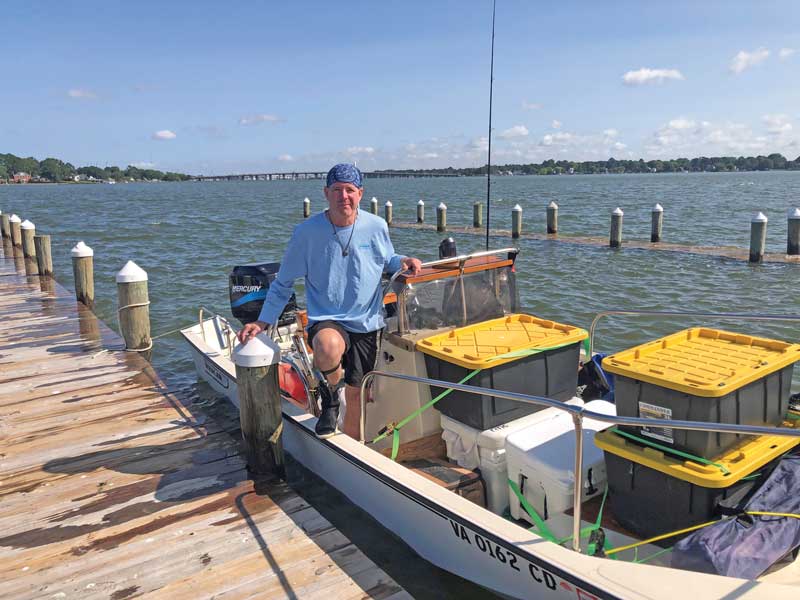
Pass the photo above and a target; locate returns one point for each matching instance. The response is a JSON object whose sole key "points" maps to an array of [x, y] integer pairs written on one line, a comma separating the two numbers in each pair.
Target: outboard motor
{"points": [[248, 289], [447, 249]]}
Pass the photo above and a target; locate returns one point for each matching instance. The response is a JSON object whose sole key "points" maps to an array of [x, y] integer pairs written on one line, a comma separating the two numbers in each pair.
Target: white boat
{"points": [[452, 532]]}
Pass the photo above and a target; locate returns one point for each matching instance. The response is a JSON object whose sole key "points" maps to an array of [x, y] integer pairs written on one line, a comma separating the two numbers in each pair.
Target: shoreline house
{"points": [[22, 177]]}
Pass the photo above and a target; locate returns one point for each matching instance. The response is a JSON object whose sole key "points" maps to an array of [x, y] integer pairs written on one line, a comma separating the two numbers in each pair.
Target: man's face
{"points": [[343, 199]]}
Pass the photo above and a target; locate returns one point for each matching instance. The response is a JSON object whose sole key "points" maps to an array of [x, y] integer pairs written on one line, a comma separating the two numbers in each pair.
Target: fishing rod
{"points": [[489, 157]]}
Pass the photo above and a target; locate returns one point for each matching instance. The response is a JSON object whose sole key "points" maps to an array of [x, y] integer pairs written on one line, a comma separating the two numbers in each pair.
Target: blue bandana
{"points": [[344, 173]]}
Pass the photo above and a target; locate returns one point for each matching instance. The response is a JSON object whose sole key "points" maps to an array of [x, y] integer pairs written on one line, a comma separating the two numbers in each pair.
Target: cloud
{"points": [[530, 105], [143, 165], [777, 125], [357, 150], [516, 131], [744, 60], [286, 158], [81, 94], [256, 119], [164, 134], [785, 53], [555, 124], [610, 133], [646, 76]]}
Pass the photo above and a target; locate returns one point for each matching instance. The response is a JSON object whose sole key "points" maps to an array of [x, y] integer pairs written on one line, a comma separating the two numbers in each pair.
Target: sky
{"points": [[242, 87]]}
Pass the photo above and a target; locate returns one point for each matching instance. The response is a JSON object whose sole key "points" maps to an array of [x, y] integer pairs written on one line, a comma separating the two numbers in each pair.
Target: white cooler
{"points": [[541, 461], [472, 449]]}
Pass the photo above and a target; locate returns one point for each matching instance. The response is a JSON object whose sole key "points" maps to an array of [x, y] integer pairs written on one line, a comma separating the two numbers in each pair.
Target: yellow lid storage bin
{"points": [[702, 374], [653, 492], [515, 353]]}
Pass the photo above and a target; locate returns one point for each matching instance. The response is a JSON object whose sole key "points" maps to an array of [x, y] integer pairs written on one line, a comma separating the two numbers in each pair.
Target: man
{"points": [[342, 253]]}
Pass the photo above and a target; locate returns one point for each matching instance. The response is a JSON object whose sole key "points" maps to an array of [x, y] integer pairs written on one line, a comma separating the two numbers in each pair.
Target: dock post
{"points": [[260, 404], [133, 307], [552, 218], [387, 212], [5, 226], [83, 270], [28, 230], [420, 212], [306, 208], [44, 258], [793, 234], [477, 215], [373, 206], [656, 223], [16, 234], [516, 221], [441, 217], [758, 237], [615, 238]]}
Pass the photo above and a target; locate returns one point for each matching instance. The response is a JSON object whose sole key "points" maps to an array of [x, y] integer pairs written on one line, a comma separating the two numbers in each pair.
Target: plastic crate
{"points": [[652, 492], [515, 353], [702, 374]]}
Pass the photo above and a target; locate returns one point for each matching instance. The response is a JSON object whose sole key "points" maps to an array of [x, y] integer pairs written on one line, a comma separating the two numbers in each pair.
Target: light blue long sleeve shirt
{"points": [[345, 289]]}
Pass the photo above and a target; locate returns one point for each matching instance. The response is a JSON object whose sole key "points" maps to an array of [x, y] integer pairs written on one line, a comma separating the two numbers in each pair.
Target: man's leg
{"points": [[361, 358], [329, 346]]}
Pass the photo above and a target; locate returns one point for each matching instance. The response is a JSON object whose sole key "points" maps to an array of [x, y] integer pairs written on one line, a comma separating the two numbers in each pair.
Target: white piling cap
{"points": [[442, 206], [306, 201], [81, 250], [759, 218], [552, 204], [261, 351], [658, 208], [517, 208], [617, 212], [27, 225], [131, 273], [794, 213], [14, 219], [374, 199], [388, 203], [420, 203]]}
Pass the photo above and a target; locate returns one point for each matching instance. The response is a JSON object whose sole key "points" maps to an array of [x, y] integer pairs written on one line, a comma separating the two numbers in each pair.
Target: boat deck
{"points": [[114, 486]]}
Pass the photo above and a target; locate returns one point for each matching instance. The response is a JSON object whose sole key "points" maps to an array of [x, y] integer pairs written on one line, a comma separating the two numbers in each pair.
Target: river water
{"points": [[188, 236]]}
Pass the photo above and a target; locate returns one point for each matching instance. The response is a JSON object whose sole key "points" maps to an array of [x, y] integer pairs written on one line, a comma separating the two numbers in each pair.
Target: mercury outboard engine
{"points": [[248, 289]]}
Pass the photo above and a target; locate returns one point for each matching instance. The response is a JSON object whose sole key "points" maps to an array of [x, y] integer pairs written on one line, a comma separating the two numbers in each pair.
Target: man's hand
{"points": [[412, 264], [251, 330]]}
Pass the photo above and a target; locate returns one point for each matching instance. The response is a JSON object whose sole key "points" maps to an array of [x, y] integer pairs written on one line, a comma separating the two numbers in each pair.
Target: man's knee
{"points": [[329, 346]]}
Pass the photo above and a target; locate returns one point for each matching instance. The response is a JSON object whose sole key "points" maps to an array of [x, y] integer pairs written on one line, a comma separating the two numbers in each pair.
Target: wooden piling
{"points": [[420, 212], [44, 258], [552, 218], [387, 212], [477, 215], [16, 233], [133, 306], [28, 230], [306, 208], [793, 232], [758, 237], [441, 217], [5, 227], [656, 223], [373, 206], [516, 221], [83, 270], [260, 404], [615, 238]]}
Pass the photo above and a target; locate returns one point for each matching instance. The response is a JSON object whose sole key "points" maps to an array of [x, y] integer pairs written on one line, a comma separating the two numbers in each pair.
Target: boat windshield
{"points": [[461, 300]]}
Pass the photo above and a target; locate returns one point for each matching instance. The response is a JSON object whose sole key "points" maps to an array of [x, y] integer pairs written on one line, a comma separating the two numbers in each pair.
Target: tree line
{"points": [[55, 170], [612, 165]]}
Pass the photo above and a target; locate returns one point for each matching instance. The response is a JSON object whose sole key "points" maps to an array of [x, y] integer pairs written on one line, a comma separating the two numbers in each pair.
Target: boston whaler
{"points": [[478, 451]]}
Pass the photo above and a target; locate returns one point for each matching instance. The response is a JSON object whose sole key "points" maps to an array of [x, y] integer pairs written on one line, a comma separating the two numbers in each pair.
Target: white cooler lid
{"points": [[495, 438]]}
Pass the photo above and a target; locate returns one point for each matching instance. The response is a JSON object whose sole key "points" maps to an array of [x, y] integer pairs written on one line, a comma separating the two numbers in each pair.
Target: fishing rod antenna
{"points": [[489, 155]]}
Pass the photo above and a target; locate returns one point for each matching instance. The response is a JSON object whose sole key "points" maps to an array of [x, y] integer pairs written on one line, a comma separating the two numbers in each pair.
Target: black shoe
{"points": [[329, 415]]}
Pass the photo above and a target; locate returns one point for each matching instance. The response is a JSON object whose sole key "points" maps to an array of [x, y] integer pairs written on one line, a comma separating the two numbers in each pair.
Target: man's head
{"points": [[343, 191]]}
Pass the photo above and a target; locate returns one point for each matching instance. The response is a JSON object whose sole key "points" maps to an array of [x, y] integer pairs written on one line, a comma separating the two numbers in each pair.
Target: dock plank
{"points": [[112, 485]]}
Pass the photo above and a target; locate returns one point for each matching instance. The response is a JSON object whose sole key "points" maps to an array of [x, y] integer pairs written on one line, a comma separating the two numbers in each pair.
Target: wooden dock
{"points": [[113, 486]]}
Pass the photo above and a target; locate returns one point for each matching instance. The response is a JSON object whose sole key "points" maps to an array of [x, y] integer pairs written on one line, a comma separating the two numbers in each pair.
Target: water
{"points": [[187, 236]]}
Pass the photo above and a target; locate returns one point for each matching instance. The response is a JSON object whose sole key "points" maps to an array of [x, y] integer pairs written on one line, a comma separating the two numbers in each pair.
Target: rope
{"points": [[126, 307]]}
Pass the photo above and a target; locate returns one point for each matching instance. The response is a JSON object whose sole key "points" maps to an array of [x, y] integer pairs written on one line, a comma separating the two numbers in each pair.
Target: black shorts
{"points": [[360, 354]]}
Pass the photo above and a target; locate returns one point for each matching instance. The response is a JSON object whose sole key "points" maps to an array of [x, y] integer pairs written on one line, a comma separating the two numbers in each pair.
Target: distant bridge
{"points": [[314, 175]]}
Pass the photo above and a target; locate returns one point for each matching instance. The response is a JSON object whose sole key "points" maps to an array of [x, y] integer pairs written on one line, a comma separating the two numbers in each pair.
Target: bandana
{"points": [[344, 173]]}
